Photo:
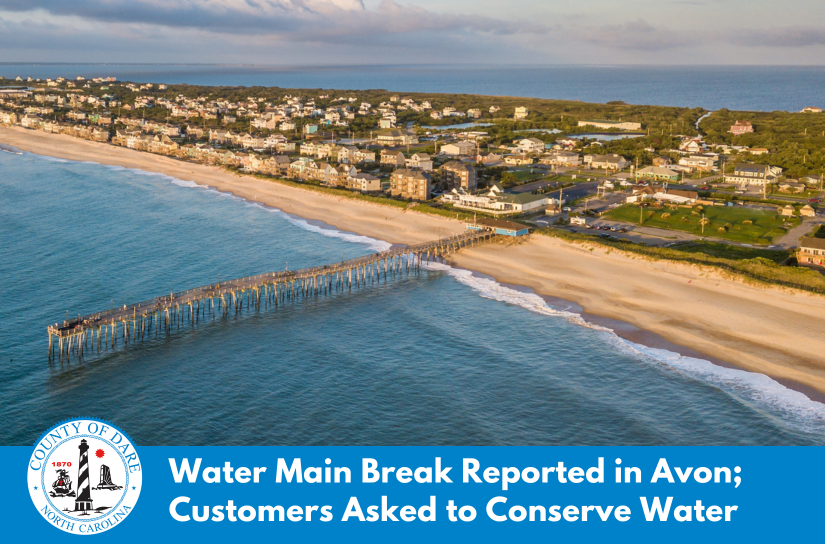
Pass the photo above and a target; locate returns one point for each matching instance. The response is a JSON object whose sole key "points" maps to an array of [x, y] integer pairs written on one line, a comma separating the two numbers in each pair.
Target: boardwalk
{"points": [[103, 329]]}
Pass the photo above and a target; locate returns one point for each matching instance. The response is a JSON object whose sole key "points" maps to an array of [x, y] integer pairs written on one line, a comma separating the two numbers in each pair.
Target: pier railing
{"points": [[102, 329]]}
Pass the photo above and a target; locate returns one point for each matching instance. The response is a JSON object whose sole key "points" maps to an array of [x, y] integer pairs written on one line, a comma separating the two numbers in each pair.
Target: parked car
{"points": [[813, 200]]}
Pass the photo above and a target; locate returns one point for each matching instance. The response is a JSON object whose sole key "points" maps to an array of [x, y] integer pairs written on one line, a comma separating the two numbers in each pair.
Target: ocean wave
{"points": [[374, 244], [755, 388]]}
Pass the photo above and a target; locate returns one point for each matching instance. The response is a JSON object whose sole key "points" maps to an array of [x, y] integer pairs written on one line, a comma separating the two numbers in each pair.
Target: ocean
{"points": [[444, 357], [754, 88]]}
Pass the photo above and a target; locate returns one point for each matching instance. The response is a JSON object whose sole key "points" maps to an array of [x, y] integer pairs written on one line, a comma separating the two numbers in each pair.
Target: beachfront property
{"points": [[610, 124], [641, 193], [754, 174], [456, 174], [365, 183], [499, 227], [657, 173], [811, 110], [811, 252], [458, 149], [408, 183], [496, 202], [606, 162], [741, 127]]}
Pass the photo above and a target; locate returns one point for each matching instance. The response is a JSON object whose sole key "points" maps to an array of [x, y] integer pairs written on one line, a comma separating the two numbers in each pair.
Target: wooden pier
{"points": [[103, 329]]}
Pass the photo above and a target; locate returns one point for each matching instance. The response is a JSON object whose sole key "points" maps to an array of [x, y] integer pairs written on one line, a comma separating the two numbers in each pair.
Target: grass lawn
{"points": [[807, 194], [526, 175], [745, 225]]}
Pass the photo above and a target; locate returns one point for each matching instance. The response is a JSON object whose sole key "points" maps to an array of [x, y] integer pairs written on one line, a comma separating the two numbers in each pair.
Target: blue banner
{"points": [[432, 495]]}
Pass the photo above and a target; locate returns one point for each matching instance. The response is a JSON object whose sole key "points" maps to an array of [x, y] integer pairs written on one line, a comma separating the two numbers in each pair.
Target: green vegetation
{"points": [[796, 141], [745, 225], [732, 260]]}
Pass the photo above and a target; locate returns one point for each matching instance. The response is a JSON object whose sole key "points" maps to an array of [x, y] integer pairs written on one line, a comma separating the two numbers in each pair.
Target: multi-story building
{"points": [[411, 184], [754, 174], [455, 174]]}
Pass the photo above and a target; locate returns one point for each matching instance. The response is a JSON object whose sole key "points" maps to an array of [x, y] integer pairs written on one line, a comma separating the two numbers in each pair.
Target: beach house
{"points": [[530, 145], [458, 149], [741, 127], [811, 252], [422, 161], [611, 161], [393, 158]]}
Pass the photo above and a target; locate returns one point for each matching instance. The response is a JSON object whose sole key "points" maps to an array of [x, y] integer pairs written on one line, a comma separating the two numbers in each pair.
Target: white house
{"points": [[458, 149], [530, 145]]}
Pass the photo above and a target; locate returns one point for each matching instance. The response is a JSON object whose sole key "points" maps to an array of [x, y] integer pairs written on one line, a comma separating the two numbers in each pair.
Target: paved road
{"points": [[792, 237]]}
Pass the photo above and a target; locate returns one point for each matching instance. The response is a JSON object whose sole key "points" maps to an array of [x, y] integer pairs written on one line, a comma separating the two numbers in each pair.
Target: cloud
{"points": [[301, 20], [782, 37], [635, 35]]}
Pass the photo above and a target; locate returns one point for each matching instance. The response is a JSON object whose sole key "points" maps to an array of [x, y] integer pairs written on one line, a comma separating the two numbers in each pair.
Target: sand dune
{"points": [[770, 330]]}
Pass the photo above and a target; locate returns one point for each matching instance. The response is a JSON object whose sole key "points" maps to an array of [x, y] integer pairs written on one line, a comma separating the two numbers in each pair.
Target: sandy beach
{"points": [[769, 330]]}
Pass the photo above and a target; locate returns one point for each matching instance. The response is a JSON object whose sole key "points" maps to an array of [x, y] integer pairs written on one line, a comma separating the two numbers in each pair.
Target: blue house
{"points": [[501, 227]]}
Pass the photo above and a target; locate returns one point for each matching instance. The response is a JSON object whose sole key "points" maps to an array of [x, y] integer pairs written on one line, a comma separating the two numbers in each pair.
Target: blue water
{"points": [[712, 87], [443, 357]]}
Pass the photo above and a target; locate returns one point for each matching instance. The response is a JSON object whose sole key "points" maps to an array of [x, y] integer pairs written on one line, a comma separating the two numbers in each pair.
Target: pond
{"points": [[462, 125], [605, 137]]}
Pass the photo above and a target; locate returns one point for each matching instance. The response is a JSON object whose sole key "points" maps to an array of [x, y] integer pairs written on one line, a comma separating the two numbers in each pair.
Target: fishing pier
{"points": [[103, 329]]}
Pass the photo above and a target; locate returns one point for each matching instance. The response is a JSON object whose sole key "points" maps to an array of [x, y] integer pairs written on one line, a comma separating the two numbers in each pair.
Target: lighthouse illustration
{"points": [[83, 502]]}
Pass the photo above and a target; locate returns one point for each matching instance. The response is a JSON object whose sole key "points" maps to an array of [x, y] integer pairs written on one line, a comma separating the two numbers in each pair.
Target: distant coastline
{"points": [[736, 87]]}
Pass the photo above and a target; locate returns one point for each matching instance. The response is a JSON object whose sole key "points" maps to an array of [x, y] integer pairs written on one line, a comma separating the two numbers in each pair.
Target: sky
{"points": [[324, 32]]}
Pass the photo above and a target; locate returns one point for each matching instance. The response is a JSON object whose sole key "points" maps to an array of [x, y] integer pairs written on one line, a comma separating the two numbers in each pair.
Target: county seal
{"points": [[84, 476]]}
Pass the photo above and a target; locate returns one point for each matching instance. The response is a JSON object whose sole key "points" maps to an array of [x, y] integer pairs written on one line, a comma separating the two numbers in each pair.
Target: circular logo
{"points": [[84, 476]]}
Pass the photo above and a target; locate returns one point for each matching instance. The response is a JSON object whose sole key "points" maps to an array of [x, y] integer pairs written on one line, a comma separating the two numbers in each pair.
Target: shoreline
{"points": [[704, 314]]}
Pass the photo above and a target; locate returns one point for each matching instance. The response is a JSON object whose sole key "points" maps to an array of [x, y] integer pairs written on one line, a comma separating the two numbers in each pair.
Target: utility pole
{"points": [[641, 213]]}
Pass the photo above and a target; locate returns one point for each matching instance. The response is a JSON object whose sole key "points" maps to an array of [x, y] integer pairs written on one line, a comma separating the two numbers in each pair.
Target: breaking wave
{"points": [[756, 388]]}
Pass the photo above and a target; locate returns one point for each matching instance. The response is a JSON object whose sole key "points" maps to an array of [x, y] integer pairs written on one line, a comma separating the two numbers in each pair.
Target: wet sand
{"points": [[770, 330]]}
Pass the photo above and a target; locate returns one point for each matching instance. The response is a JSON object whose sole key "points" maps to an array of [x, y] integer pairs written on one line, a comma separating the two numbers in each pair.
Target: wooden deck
{"points": [[103, 329]]}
